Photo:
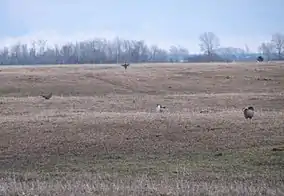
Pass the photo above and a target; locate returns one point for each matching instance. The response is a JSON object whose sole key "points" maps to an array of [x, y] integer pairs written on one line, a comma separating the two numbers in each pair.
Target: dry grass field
{"points": [[100, 134]]}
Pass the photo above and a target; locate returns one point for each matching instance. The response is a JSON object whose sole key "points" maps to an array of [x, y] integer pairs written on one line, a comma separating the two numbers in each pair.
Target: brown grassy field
{"points": [[100, 135]]}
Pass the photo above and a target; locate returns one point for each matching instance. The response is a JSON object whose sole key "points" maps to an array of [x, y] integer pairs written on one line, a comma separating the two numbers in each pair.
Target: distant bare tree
{"points": [[266, 48], [117, 47], [278, 42], [247, 50], [153, 52], [183, 51], [209, 42], [178, 52]]}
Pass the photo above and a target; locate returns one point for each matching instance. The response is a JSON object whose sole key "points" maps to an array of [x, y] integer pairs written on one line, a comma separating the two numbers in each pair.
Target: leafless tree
{"points": [[178, 52], [153, 52], [266, 48], [209, 42], [247, 50], [278, 43]]}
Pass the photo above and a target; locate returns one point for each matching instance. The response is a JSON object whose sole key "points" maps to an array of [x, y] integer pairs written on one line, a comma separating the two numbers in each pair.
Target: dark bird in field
{"points": [[160, 108], [125, 65], [249, 112], [47, 96], [278, 149], [259, 59], [219, 154]]}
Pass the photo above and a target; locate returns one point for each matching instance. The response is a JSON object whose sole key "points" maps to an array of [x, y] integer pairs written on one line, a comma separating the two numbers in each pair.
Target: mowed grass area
{"points": [[100, 135]]}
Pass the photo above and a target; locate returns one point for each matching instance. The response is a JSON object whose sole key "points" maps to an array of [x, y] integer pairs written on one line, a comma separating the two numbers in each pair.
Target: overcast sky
{"points": [[161, 22]]}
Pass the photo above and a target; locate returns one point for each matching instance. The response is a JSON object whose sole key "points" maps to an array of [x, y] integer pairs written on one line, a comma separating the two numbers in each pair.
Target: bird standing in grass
{"points": [[125, 65], [47, 96], [160, 108], [249, 112]]}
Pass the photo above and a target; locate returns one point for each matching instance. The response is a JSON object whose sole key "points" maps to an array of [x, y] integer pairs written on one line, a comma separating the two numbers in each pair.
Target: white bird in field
{"points": [[160, 108], [249, 112]]}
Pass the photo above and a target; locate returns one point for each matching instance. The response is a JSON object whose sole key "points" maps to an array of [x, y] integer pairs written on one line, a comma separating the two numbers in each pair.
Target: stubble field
{"points": [[100, 134]]}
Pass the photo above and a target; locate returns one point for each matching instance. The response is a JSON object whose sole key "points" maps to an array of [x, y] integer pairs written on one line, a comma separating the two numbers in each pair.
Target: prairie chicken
{"points": [[47, 96], [249, 112], [160, 108], [125, 65]]}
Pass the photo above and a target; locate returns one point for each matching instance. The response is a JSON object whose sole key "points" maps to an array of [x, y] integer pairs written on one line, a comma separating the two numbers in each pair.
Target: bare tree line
{"points": [[273, 49], [85, 52], [119, 51]]}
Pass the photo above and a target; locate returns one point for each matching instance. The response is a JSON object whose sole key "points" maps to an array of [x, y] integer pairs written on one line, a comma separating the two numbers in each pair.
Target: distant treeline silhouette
{"points": [[86, 52], [98, 51], [103, 51]]}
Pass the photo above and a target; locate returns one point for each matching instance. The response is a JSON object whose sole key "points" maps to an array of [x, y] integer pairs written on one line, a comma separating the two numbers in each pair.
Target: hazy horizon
{"points": [[165, 23]]}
